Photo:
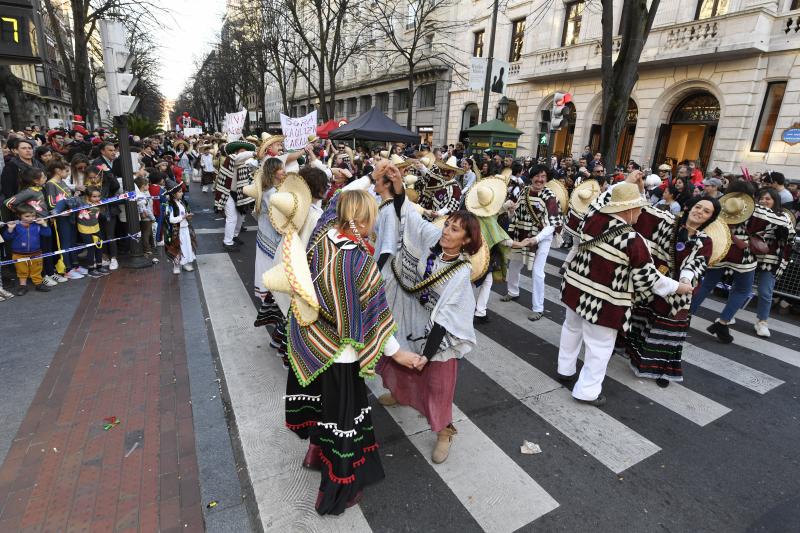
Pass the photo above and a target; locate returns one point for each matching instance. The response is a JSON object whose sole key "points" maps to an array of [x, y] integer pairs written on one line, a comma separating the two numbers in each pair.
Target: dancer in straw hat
{"points": [[537, 216], [339, 327], [441, 193], [430, 295], [752, 226], [612, 265], [682, 248]]}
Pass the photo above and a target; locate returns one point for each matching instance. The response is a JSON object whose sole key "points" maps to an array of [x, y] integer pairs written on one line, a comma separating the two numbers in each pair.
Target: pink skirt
{"points": [[430, 392]]}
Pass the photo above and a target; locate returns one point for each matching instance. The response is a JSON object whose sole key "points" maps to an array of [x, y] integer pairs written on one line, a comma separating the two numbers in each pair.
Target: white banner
{"points": [[188, 132], [477, 75], [297, 130], [234, 122]]}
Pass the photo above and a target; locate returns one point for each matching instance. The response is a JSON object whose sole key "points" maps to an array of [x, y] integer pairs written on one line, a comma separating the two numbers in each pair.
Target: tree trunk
{"points": [[620, 77], [410, 103], [11, 87]]}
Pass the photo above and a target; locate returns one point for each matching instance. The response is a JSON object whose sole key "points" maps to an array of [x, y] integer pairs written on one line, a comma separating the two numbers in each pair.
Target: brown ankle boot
{"points": [[442, 448], [387, 400]]}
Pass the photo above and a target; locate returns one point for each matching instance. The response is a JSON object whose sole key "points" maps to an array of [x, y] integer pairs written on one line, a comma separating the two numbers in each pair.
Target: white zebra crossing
{"points": [[709, 361], [495, 490], [609, 441], [685, 402]]}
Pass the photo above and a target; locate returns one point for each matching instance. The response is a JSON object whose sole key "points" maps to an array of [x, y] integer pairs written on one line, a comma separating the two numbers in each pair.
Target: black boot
{"points": [[722, 331]]}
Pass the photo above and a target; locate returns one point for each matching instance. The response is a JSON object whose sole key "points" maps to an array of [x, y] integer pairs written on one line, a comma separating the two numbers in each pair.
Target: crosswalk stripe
{"points": [[495, 490], [738, 373], [284, 491], [777, 324], [211, 231], [609, 441], [685, 402]]}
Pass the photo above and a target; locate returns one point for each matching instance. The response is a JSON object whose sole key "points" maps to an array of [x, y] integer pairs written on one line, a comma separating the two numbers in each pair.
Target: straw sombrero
{"points": [[486, 197], [293, 276], [398, 161], [479, 261], [623, 197], [721, 240], [385, 154], [181, 143], [506, 173], [583, 196], [450, 165], [561, 193], [736, 207], [409, 181], [253, 190], [289, 205]]}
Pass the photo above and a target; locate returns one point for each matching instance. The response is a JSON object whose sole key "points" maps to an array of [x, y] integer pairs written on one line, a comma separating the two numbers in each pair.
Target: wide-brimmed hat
{"points": [[664, 166], [384, 154], [450, 165], [583, 195], [293, 276], [181, 143], [254, 190], [289, 205], [268, 138], [736, 207], [398, 161], [561, 193], [235, 146], [479, 261], [623, 197], [171, 186], [486, 197], [720, 239], [506, 173], [409, 180]]}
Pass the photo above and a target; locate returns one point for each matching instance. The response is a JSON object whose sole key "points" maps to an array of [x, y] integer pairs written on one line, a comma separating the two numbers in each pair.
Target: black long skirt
{"points": [[333, 411]]}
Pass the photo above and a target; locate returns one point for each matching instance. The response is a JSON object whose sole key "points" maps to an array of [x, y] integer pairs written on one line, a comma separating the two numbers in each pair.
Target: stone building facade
{"points": [[719, 81]]}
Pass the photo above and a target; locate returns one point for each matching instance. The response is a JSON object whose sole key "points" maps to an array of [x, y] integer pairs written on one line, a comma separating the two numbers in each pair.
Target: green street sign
{"points": [[543, 139]]}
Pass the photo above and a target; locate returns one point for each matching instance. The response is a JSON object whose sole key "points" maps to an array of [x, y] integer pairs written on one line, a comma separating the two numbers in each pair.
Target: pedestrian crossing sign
{"points": [[543, 139]]}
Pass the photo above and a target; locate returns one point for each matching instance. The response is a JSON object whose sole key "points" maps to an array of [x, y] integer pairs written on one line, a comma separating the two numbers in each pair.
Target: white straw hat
{"points": [[623, 197]]}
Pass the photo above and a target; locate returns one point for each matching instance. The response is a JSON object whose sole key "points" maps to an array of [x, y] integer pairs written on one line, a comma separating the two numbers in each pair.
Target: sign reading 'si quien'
{"points": [[792, 135], [17, 33]]}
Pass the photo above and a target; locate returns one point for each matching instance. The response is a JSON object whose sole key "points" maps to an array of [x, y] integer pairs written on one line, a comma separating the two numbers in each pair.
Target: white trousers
{"points": [[599, 343], [537, 288], [233, 221], [482, 299]]}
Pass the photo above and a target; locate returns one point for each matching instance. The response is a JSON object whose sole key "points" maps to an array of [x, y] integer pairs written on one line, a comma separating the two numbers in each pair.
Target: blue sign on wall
{"points": [[791, 136]]}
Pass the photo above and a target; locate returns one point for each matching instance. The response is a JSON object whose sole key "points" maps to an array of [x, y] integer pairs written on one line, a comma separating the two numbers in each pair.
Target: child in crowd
{"points": [[25, 236], [89, 231], [179, 239], [56, 190], [146, 216]]}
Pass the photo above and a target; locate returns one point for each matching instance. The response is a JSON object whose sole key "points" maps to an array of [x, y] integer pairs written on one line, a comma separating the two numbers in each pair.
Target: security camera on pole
{"points": [[558, 117], [117, 62]]}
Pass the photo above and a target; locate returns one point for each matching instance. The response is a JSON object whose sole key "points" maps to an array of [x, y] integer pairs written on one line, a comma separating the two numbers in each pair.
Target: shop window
{"points": [[768, 116], [572, 23]]}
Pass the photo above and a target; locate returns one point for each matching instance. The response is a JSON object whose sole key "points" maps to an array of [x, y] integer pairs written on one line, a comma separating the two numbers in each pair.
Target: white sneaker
{"points": [[105, 262], [761, 328], [188, 267], [176, 269], [155, 260], [160, 243], [49, 282], [74, 274], [5, 294], [113, 265], [59, 278], [83, 271], [205, 188]]}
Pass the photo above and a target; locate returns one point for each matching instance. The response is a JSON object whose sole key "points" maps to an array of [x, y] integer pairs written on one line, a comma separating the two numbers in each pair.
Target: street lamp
{"points": [[502, 108]]}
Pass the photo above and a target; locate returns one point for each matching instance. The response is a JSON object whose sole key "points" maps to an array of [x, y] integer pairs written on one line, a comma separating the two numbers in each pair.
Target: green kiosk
{"points": [[494, 135]]}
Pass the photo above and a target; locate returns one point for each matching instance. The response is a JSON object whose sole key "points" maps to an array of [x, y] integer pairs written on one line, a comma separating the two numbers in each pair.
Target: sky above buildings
{"points": [[185, 37]]}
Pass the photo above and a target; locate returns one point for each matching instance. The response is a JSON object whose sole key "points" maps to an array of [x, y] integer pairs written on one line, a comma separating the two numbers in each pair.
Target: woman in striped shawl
{"points": [[326, 397], [681, 251]]}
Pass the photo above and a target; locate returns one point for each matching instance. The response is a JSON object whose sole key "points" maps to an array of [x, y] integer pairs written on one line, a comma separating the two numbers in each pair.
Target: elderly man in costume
{"points": [[234, 174], [441, 193], [537, 216], [612, 265]]}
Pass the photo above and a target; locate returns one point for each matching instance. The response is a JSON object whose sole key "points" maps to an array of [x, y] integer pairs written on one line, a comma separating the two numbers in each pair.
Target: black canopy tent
{"points": [[374, 126]]}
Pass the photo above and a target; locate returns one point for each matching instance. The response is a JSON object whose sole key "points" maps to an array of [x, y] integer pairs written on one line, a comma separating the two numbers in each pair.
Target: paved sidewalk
{"points": [[122, 355]]}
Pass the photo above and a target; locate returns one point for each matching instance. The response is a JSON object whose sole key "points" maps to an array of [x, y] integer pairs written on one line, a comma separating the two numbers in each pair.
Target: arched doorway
{"points": [[625, 142], [691, 131], [469, 118], [562, 139]]}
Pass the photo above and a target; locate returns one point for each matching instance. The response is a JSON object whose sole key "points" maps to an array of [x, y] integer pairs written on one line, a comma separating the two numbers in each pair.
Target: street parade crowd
{"points": [[380, 260]]}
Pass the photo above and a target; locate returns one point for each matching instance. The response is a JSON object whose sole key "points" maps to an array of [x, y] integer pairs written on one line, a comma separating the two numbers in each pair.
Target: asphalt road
{"points": [[718, 453]]}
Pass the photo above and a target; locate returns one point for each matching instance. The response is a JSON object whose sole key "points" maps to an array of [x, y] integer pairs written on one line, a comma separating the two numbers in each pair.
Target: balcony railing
{"points": [[720, 37]]}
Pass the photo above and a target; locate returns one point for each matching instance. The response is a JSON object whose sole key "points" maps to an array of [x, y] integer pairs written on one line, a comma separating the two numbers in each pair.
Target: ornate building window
{"points": [[517, 40], [572, 23]]}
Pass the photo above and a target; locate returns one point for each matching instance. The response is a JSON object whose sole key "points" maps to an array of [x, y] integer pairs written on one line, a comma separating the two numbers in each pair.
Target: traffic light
{"points": [[117, 62], [558, 117]]}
